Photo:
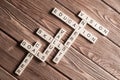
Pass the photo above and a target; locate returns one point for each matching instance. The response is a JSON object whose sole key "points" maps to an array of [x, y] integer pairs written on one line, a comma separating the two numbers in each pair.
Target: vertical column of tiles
{"points": [[93, 23], [62, 16], [52, 45], [28, 58], [24, 64], [69, 42], [41, 33]]}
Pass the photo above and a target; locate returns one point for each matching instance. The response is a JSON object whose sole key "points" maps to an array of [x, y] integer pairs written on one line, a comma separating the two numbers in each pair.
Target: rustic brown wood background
{"points": [[19, 19]]}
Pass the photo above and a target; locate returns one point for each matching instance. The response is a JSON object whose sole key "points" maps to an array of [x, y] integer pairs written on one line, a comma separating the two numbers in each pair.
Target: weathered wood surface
{"points": [[4, 75], [12, 56], [107, 56], [115, 4], [19, 19]]}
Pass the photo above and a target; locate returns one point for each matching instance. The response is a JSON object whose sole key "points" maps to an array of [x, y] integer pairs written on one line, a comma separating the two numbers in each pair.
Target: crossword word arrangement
{"points": [[54, 42]]}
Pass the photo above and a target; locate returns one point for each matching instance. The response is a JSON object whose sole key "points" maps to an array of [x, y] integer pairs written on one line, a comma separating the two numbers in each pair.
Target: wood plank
{"points": [[74, 71], [102, 14], [98, 53], [12, 55], [11, 29], [4, 75], [115, 4], [102, 59], [113, 22]]}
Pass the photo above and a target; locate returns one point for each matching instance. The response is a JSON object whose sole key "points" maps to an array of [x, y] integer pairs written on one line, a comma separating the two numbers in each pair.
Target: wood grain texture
{"points": [[104, 56], [10, 31], [11, 56], [76, 64], [102, 59], [115, 4], [100, 12], [4, 75], [23, 33]]}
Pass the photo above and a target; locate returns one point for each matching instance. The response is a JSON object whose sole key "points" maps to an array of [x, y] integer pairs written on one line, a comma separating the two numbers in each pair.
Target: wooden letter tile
{"points": [[52, 45], [26, 45], [46, 53], [59, 55], [33, 50], [60, 34], [24, 64], [88, 36], [72, 23], [62, 16], [93, 23], [40, 32]]}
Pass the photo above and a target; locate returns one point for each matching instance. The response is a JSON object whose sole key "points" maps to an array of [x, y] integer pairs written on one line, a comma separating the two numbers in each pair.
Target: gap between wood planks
{"points": [[110, 6], [116, 12], [7, 73], [105, 36], [9, 35], [59, 71], [18, 63], [45, 61], [74, 13]]}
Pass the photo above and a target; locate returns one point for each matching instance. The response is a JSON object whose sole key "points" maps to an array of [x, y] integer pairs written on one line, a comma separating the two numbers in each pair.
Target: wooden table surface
{"points": [[19, 19]]}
